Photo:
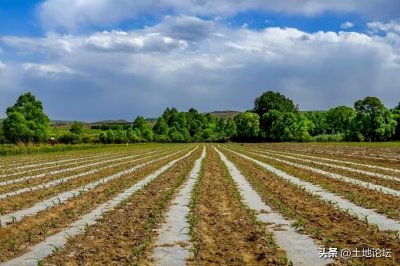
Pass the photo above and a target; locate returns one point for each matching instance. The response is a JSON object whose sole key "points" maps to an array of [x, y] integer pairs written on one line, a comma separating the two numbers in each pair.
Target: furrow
{"points": [[381, 221], [63, 197], [82, 160], [337, 161], [173, 243], [388, 177], [19, 180], [58, 162], [37, 172], [300, 249], [65, 179], [367, 185]]}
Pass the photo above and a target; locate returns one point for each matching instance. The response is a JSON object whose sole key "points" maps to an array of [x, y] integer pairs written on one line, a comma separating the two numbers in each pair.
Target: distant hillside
{"points": [[224, 114], [110, 122]]}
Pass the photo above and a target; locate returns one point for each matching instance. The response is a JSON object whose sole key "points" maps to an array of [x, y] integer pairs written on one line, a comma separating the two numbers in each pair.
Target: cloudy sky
{"points": [[105, 59]]}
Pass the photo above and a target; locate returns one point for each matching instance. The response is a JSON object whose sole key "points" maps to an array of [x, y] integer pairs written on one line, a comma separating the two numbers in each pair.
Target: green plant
{"points": [[55, 249]]}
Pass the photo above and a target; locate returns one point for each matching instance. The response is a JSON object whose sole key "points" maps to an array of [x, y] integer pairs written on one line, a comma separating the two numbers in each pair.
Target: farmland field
{"points": [[202, 204]]}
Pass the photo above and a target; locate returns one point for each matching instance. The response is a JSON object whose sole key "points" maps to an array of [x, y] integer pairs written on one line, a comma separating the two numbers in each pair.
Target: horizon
{"points": [[97, 60]]}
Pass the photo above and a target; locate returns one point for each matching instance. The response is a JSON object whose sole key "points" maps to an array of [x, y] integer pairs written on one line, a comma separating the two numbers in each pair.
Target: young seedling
{"points": [[55, 249], [13, 244], [29, 236], [86, 228]]}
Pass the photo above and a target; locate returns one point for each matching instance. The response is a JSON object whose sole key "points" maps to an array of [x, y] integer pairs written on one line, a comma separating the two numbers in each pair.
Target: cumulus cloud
{"points": [[347, 25], [392, 26], [71, 14], [121, 74]]}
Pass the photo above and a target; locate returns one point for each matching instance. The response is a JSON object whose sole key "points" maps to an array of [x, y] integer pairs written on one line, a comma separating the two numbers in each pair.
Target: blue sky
{"points": [[91, 60]]}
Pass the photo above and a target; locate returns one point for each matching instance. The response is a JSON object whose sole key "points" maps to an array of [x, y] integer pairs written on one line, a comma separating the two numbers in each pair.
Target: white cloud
{"points": [[392, 26], [132, 42], [72, 14], [47, 69], [51, 44], [347, 25], [120, 74]]}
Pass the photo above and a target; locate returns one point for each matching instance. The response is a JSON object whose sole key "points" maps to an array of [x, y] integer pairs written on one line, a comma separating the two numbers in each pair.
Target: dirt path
{"points": [[226, 233]]}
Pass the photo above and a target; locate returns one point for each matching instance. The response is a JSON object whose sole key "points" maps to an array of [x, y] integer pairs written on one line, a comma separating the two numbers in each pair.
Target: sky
{"points": [[92, 60]]}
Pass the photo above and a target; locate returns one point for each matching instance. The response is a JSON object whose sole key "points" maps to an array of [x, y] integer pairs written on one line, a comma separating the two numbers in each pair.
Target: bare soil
{"points": [[16, 239], [330, 226], [372, 199], [120, 237], [226, 234]]}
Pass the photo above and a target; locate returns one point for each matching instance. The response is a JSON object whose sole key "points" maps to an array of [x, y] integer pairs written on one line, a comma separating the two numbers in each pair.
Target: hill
{"points": [[224, 114]]}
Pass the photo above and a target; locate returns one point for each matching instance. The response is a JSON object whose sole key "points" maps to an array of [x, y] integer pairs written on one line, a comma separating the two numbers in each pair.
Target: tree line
{"points": [[274, 118]]}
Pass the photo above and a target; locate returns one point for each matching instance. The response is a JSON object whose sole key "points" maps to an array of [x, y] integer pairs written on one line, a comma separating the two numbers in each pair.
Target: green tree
{"points": [[26, 121], [318, 119], [140, 123], [396, 116], [230, 128], [76, 128], [2, 138], [247, 126], [286, 126], [373, 120], [121, 136], [267, 102], [271, 100], [341, 120], [110, 136], [147, 135], [175, 136], [142, 129], [161, 127]]}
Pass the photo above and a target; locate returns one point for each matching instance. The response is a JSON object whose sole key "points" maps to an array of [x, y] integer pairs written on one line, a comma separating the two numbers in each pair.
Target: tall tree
{"points": [[373, 120], [26, 121], [271, 100]]}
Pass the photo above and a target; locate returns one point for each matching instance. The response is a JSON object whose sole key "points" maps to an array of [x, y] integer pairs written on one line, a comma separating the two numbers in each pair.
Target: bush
{"points": [[69, 138]]}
